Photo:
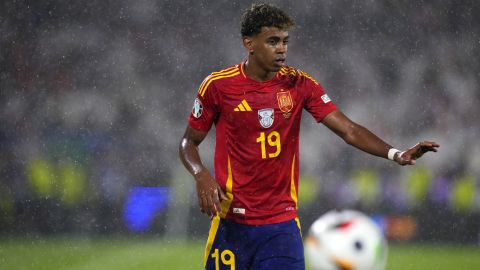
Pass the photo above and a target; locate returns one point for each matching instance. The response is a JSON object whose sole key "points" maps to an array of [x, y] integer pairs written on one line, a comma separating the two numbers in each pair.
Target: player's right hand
{"points": [[415, 152], [209, 194]]}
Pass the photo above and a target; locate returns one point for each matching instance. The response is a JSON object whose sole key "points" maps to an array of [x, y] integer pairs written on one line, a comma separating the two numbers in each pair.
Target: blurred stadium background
{"points": [[95, 96]]}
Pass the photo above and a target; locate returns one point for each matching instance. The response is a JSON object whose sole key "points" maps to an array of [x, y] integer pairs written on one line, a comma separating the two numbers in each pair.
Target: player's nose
{"points": [[281, 48]]}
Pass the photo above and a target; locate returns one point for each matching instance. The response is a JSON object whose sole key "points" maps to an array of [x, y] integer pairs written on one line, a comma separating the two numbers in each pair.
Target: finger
{"points": [[223, 197], [430, 145], [204, 204], [407, 159], [210, 204], [408, 162], [430, 149], [200, 204], [207, 208], [424, 148], [216, 202]]}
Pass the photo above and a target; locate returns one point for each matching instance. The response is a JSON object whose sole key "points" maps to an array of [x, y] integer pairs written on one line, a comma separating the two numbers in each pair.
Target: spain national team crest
{"points": [[285, 102], [265, 116]]}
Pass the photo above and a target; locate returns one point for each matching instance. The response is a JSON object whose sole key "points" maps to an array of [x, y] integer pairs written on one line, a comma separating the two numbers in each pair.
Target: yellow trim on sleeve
{"points": [[304, 74], [293, 72], [214, 79], [225, 70], [215, 76]]}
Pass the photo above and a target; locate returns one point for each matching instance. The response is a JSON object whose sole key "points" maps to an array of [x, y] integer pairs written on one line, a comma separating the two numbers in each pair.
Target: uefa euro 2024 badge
{"points": [[265, 117], [197, 108]]}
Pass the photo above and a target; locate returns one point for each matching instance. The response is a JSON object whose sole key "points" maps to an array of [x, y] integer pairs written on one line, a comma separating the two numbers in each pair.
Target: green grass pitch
{"points": [[132, 254]]}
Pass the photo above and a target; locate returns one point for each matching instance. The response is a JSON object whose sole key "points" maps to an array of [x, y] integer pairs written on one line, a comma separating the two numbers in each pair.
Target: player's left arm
{"points": [[363, 139]]}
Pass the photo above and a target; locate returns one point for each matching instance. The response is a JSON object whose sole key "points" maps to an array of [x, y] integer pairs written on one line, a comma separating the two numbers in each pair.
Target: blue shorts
{"points": [[236, 246]]}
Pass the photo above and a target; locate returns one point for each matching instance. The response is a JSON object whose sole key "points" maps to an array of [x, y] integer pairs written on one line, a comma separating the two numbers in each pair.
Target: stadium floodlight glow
{"points": [[142, 205]]}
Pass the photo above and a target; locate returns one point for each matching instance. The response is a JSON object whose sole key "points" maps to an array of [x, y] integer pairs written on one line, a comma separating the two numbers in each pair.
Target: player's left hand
{"points": [[415, 152], [209, 194]]}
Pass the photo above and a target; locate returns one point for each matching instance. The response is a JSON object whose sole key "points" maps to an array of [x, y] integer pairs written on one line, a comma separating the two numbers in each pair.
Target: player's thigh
{"points": [[281, 263], [282, 251], [226, 248]]}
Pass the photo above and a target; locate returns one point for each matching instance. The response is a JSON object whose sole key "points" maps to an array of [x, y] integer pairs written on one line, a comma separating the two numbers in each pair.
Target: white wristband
{"points": [[392, 152]]}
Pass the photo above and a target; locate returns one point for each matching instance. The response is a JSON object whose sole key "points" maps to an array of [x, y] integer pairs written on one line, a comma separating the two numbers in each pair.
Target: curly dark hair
{"points": [[259, 15]]}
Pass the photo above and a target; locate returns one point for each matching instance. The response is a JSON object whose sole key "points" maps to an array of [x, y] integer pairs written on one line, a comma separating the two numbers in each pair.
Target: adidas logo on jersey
{"points": [[243, 107]]}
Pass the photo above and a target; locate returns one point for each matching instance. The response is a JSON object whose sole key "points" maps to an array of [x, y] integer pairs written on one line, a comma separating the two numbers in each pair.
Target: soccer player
{"points": [[256, 107]]}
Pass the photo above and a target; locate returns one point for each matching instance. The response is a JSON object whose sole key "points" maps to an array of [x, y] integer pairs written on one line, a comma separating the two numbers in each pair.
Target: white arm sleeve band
{"points": [[392, 152]]}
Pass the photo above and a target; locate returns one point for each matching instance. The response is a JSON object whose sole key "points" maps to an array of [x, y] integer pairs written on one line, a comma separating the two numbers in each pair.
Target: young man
{"points": [[256, 107]]}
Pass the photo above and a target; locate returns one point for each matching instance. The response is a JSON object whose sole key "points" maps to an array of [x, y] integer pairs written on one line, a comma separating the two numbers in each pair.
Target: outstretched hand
{"points": [[209, 194], [415, 152]]}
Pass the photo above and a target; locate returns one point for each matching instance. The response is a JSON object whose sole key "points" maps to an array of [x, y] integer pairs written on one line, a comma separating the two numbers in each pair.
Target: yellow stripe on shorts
{"points": [[211, 237]]}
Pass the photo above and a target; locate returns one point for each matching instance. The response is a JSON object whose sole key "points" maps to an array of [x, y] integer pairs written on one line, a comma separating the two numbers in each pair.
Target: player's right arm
{"points": [[204, 112], [320, 106], [363, 139], [209, 192]]}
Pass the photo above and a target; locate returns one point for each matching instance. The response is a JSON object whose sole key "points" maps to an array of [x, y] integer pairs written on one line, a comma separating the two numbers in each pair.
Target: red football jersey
{"points": [[257, 138]]}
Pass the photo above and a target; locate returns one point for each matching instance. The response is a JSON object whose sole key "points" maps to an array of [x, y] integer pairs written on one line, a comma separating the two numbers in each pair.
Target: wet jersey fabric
{"points": [[257, 138], [258, 247]]}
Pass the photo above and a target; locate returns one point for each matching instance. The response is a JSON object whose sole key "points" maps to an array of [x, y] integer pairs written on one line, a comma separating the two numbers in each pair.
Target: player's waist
{"points": [[275, 225], [252, 217]]}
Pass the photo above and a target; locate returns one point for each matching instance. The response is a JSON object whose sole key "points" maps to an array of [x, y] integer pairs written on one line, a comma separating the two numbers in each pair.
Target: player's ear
{"points": [[248, 44]]}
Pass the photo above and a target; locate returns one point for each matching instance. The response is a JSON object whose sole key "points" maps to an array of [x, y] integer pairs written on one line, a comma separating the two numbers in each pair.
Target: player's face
{"points": [[269, 48]]}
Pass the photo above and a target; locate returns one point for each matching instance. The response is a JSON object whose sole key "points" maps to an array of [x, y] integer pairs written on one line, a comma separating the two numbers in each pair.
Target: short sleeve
{"points": [[318, 103], [205, 107]]}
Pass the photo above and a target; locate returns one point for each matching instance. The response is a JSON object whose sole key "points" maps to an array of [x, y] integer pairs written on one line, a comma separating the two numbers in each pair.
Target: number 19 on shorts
{"points": [[226, 257]]}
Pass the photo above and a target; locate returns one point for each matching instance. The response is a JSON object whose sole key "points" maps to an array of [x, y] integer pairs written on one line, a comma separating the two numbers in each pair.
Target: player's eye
{"points": [[272, 42]]}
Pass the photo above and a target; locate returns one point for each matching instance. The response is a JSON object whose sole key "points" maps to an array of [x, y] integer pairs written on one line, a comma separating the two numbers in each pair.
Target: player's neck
{"points": [[257, 73]]}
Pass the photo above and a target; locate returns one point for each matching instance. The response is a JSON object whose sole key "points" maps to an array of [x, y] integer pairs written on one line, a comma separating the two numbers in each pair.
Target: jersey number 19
{"points": [[273, 139]]}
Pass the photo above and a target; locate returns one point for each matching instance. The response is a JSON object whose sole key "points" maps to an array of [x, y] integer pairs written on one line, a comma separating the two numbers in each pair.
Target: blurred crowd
{"points": [[95, 96]]}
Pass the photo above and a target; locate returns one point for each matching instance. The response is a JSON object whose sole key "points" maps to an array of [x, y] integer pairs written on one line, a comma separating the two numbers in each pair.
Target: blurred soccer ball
{"points": [[345, 240]]}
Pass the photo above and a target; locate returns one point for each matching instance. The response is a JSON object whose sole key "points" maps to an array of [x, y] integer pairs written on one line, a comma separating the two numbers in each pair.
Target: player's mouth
{"points": [[280, 61]]}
